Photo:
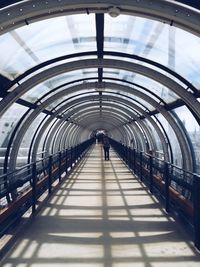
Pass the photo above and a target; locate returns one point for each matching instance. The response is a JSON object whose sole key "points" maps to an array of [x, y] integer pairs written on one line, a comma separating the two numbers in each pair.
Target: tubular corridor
{"points": [[102, 216]]}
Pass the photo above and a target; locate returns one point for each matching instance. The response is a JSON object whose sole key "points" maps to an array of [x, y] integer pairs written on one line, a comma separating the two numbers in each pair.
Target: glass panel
{"points": [[45, 87], [177, 155], [44, 40], [13, 63], [156, 41], [26, 141], [41, 150], [7, 124], [193, 130], [155, 87], [131, 98], [70, 97], [188, 65], [155, 136]]}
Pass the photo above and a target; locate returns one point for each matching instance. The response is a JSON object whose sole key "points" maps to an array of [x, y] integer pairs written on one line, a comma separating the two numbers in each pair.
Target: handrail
{"points": [[178, 187], [21, 188]]}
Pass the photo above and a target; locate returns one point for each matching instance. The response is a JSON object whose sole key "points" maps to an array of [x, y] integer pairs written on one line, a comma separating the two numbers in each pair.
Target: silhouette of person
{"points": [[106, 147]]}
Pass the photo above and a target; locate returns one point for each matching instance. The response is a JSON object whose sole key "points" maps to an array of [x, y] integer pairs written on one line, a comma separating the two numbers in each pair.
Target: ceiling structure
{"points": [[69, 69]]}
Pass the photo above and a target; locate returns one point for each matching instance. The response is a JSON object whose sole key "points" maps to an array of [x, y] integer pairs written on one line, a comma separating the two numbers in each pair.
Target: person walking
{"points": [[106, 147]]}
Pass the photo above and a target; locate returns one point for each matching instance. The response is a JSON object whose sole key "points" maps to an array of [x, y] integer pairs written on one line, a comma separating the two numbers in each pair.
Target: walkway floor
{"points": [[102, 217]]}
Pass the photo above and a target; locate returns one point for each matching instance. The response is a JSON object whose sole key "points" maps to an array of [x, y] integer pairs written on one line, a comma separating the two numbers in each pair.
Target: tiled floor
{"points": [[102, 217]]}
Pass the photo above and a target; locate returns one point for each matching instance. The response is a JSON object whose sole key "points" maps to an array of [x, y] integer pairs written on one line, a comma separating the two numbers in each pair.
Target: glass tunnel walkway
{"points": [[102, 216]]}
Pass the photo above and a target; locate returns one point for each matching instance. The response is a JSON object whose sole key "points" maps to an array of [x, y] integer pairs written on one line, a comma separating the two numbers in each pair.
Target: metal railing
{"points": [[179, 188], [20, 189]]}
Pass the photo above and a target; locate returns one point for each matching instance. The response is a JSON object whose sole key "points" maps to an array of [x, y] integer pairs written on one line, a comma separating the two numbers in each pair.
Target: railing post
{"points": [[34, 184], [59, 166], [50, 175], [71, 157], [7, 189], [66, 161], [129, 157], [166, 177], [141, 154], [77, 154], [196, 205], [134, 161], [151, 173]]}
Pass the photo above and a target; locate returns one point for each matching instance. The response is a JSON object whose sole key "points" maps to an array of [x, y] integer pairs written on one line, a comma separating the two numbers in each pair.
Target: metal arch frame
{"points": [[96, 125], [142, 140], [132, 115], [60, 110], [116, 98], [77, 135], [47, 130], [89, 121], [35, 134], [136, 131], [32, 142], [54, 133], [134, 100], [141, 123], [133, 140], [168, 12], [105, 53], [52, 136], [67, 128], [109, 63], [68, 135], [186, 153], [12, 138], [120, 116], [45, 137], [154, 125], [62, 129], [123, 125], [63, 108], [73, 135], [190, 3], [106, 109], [65, 135], [129, 1], [188, 138], [186, 96], [102, 124], [146, 139], [118, 119], [154, 103], [138, 144]]}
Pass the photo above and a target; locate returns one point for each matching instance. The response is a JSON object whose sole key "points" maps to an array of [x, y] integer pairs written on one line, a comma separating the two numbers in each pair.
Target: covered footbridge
{"points": [[72, 72]]}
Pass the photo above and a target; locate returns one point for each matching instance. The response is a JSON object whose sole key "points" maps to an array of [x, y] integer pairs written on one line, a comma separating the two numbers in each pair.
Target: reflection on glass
{"points": [[154, 135], [44, 40], [177, 155], [156, 41], [42, 151], [38, 91], [131, 98], [26, 141], [193, 130], [7, 124], [153, 86]]}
